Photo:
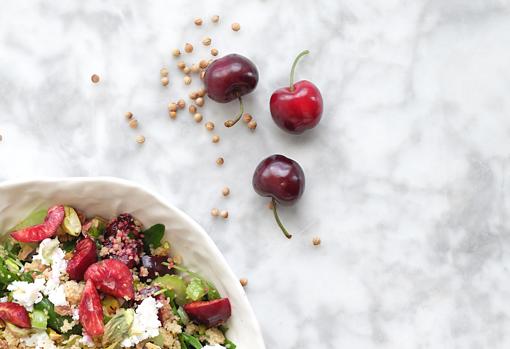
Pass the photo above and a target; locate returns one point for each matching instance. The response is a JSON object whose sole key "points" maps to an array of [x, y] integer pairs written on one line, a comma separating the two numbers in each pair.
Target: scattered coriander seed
{"points": [[201, 92], [215, 139], [224, 214], [316, 241], [243, 282], [200, 101], [195, 68], [198, 117], [172, 114], [128, 115], [215, 212], [206, 41], [163, 72], [225, 191], [176, 52], [203, 64], [186, 70], [140, 139], [172, 106], [164, 81], [193, 95], [247, 118], [95, 78], [192, 109], [215, 19], [202, 74], [252, 125], [198, 21], [181, 65], [214, 51], [220, 161], [188, 48], [209, 126], [236, 26], [181, 104], [133, 123], [187, 80]]}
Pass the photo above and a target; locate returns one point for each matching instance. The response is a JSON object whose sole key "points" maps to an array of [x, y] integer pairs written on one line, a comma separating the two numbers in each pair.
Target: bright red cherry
{"points": [[298, 107], [282, 179], [229, 78]]}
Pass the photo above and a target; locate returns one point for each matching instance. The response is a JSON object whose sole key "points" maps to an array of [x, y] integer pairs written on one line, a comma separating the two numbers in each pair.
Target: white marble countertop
{"points": [[407, 174]]}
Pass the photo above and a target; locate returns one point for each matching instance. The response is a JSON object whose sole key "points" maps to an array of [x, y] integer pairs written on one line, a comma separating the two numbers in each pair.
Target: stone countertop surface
{"points": [[406, 175]]}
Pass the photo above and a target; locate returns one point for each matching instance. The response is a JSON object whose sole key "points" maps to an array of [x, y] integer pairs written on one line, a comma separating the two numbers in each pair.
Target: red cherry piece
{"points": [[42, 231], [91, 311], [112, 277], [209, 313], [230, 77], [15, 314], [298, 107], [85, 254], [282, 179]]}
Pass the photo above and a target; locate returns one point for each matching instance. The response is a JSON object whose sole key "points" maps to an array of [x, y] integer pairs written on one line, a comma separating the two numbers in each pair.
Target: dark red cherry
{"points": [[298, 107], [229, 78], [281, 179]]}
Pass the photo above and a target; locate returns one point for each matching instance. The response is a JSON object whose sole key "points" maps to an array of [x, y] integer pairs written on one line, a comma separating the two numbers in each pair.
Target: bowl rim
{"points": [[12, 183]]}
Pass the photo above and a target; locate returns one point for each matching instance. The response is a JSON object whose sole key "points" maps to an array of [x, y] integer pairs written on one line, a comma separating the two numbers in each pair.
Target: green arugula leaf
{"points": [[196, 289], [188, 339], [229, 344], [211, 290], [153, 235]]}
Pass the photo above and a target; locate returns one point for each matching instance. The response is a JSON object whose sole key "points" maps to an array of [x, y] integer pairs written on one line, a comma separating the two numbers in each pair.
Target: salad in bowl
{"points": [[72, 280]]}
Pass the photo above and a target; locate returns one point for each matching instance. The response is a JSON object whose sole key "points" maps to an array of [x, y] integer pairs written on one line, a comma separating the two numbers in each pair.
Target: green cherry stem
{"points": [[296, 60], [232, 122], [280, 224]]}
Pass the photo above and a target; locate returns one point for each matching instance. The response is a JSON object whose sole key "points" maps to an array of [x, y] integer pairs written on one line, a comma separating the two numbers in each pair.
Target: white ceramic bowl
{"points": [[110, 196]]}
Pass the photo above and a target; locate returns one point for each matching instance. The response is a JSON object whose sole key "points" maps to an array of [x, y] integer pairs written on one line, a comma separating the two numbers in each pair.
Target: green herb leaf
{"points": [[188, 339], [56, 321], [39, 319], [229, 344], [174, 283], [196, 289], [211, 290], [153, 235]]}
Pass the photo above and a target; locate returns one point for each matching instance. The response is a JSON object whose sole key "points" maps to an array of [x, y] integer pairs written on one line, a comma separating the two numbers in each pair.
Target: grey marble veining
{"points": [[407, 174]]}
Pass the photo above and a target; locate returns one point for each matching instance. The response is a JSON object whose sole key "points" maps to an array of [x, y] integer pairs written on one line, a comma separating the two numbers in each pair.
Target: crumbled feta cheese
{"points": [[57, 296], [27, 294], [87, 341], [47, 250], [39, 340], [4, 299], [145, 324], [55, 256], [76, 314]]}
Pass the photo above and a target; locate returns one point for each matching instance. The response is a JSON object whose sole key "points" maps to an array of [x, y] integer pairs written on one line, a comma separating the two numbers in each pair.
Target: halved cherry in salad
{"points": [[85, 254], [112, 277], [91, 311], [15, 314], [42, 231], [209, 313]]}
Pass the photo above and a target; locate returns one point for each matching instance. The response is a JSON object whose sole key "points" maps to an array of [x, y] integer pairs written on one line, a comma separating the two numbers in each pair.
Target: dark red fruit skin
{"points": [[112, 277], [230, 77], [298, 110], [209, 313], [91, 311], [155, 267], [42, 231], [85, 254], [280, 178], [15, 314]]}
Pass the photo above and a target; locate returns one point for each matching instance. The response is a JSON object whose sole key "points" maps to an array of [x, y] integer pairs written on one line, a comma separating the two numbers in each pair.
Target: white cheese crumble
{"points": [[27, 294], [87, 341], [76, 314], [39, 340], [4, 299], [145, 324], [47, 250]]}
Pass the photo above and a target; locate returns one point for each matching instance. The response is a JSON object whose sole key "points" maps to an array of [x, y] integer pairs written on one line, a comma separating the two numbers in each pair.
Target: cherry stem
{"points": [[293, 69], [232, 122], [280, 224]]}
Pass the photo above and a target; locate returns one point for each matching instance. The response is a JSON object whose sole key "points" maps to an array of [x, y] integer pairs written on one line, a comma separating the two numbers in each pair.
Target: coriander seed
{"points": [[198, 117], [316, 241], [195, 68], [209, 126], [172, 114], [187, 80], [172, 106], [215, 212], [95, 78], [140, 139], [225, 191], [215, 139], [202, 74], [236, 26], [215, 19], [181, 104], [243, 282], [133, 123], [193, 95], [164, 81], [188, 48], [176, 52], [224, 214], [198, 21], [220, 161], [181, 65], [201, 92], [192, 109], [252, 125], [163, 72], [214, 51], [247, 118], [186, 70], [206, 41], [203, 64], [200, 101], [128, 115]]}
